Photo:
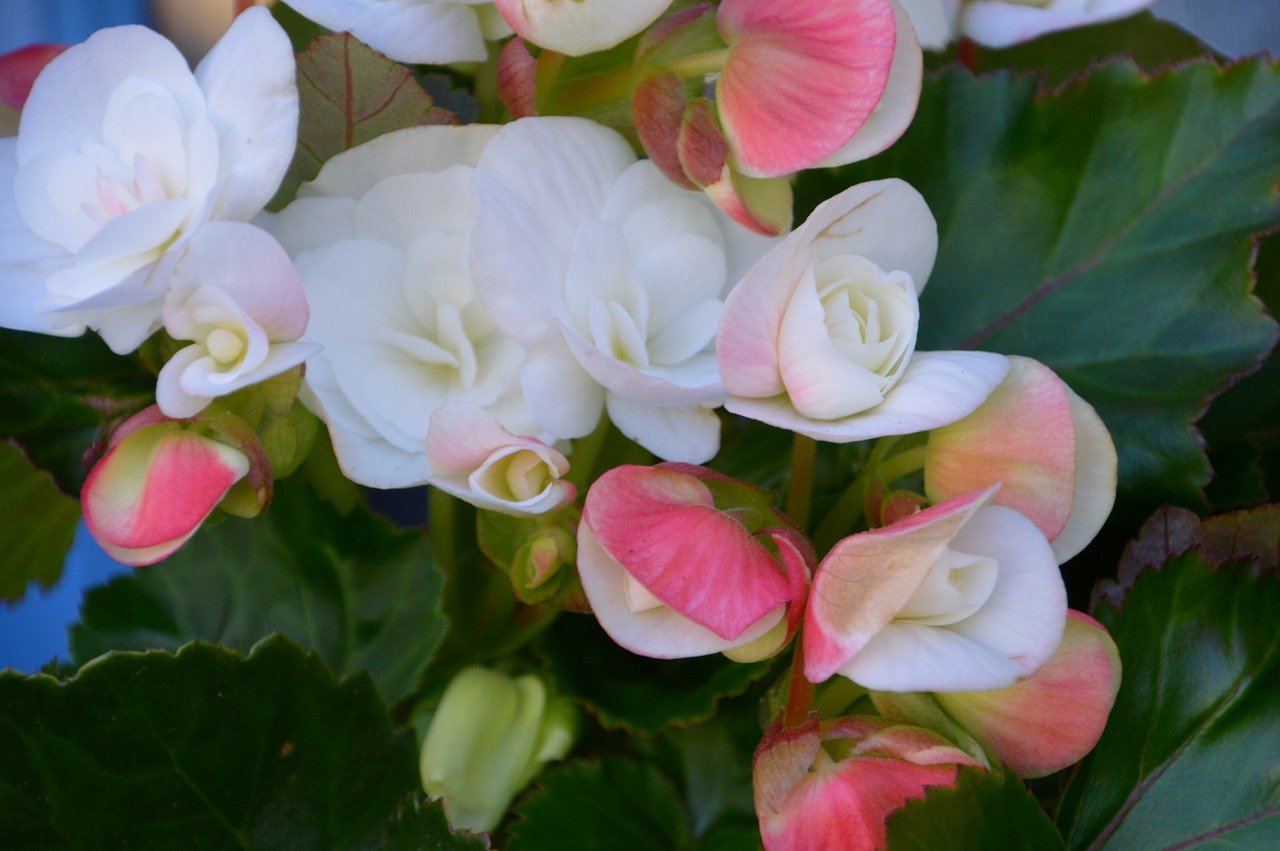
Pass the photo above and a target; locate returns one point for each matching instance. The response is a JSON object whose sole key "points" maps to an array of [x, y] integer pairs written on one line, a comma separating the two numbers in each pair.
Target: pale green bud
{"points": [[490, 735]]}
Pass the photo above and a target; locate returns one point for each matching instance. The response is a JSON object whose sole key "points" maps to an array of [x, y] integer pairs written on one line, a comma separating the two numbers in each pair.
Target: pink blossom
{"points": [[830, 786], [158, 482], [673, 562], [1047, 447]]}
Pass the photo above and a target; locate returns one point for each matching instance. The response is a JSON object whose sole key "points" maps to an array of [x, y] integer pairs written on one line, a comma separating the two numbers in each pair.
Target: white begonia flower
{"points": [[819, 337], [434, 32], [611, 277], [477, 460], [236, 294], [121, 155], [380, 239]]}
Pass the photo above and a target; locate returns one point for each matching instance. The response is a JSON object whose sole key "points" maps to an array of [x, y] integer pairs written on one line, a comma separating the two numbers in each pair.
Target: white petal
{"points": [[688, 433], [996, 23], [417, 31], [1095, 491], [564, 399], [248, 81]]}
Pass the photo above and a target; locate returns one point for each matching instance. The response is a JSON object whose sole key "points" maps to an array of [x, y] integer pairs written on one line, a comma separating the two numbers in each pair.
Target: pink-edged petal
{"points": [[687, 433], [248, 81], [151, 492], [1014, 632], [435, 32], [1052, 719], [580, 27], [1096, 477], [867, 578], [1023, 437], [897, 106], [802, 77], [19, 69], [998, 23], [663, 527], [463, 436], [660, 632]]}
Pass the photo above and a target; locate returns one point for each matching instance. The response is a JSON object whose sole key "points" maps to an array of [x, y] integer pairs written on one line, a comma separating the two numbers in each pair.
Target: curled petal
{"points": [[154, 488], [580, 27], [801, 79], [434, 32], [1052, 719]]}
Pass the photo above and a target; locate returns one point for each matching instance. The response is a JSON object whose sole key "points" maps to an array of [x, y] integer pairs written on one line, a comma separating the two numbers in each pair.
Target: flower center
{"points": [[224, 346]]}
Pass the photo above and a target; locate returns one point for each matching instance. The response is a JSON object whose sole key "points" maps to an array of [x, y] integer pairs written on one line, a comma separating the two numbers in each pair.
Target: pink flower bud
{"points": [[832, 785], [1052, 719], [1047, 447], [518, 79], [157, 483], [673, 561]]}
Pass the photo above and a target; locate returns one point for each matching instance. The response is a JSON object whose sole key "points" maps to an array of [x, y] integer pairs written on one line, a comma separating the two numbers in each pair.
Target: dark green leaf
{"points": [[633, 692], [361, 594], [982, 811], [57, 394], [349, 94], [620, 804], [39, 523], [1105, 230], [202, 750], [1191, 749]]}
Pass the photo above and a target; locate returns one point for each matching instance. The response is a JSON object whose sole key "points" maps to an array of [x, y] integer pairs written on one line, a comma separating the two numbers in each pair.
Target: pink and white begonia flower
{"points": [[477, 460], [611, 278], [1052, 719], [381, 240], [671, 575], [831, 786], [1003, 23], [1047, 447], [819, 337], [810, 82], [963, 596], [121, 155], [433, 32], [581, 26], [236, 295], [158, 482]]}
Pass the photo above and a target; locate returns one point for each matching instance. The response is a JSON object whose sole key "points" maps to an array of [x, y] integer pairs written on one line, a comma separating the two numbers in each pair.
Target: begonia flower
{"points": [[381, 240], [122, 154], [435, 32], [581, 26], [963, 596], [831, 786], [671, 573], [477, 460], [1047, 447], [490, 735], [159, 481], [236, 295], [805, 78], [819, 337], [612, 280], [1052, 719]]}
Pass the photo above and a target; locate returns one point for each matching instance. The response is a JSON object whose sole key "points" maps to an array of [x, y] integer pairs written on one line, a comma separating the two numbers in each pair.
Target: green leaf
{"points": [[199, 750], [620, 804], [1190, 752], [980, 812], [57, 394], [364, 596], [349, 94], [39, 523], [633, 692], [1105, 230]]}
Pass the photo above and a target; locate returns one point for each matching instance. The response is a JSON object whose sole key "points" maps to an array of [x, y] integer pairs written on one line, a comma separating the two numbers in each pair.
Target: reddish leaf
{"points": [[349, 94]]}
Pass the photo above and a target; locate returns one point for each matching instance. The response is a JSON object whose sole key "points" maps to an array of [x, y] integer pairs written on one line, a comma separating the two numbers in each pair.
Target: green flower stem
{"points": [[442, 532], [799, 689], [836, 696], [699, 64], [800, 493], [602, 89], [848, 509], [903, 464]]}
